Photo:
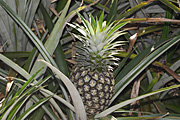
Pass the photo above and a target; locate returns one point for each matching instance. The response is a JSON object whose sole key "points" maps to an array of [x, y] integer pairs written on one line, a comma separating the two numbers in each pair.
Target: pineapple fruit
{"points": [[93, 73]]}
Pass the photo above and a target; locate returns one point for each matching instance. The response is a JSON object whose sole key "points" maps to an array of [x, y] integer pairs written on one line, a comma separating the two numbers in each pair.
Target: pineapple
{"points": [[93, 73]]}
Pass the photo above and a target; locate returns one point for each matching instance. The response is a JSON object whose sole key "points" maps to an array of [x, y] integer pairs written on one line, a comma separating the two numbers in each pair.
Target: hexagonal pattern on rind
{"points": [[95, 88]]}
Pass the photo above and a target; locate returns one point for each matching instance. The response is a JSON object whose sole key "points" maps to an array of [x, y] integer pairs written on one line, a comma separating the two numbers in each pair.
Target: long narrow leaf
{"points": [[32, 108], [15, 110], [122, 63], [54, 37], [59, 53], [26, 75], [13, 103], [28, 31], [113, 9], [98, 5], [134, 9], [138, 68], [122, 104], [166, 78], [45, 92], [14, 66], [44, 109], [57, 107], [26, 84], [79, 106], [170, 5]]}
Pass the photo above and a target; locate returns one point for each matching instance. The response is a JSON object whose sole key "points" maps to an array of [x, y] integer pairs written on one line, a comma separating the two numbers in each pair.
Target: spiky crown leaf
{"points": [[97, 48]]}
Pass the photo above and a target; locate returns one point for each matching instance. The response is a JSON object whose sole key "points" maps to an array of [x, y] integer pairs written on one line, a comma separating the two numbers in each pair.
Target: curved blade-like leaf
{"points": [[15, 66], [79, 106], [32, 108], [166, 78], [134, 9], [134, 69], [28, 31], [170, 5], [57, 107], [122, 104], [98, 5], [13, 102], [113, 9], [59, 53], [19, 92], [26, 75], [149, 29]]}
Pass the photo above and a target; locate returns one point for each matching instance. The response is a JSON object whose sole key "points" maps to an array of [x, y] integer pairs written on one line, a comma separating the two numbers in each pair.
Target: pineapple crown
{"points": [[97, 47]]}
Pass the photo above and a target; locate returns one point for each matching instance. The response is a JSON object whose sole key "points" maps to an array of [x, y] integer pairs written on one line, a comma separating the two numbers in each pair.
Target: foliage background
{"points": [[33, 30]]}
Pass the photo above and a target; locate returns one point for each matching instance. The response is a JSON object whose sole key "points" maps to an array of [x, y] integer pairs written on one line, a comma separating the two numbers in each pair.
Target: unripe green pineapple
{"points": [[93, 74]]}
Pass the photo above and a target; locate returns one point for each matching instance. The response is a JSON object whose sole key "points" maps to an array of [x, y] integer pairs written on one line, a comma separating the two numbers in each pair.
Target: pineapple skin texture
{"points": [[92, 75], [95, 88]]}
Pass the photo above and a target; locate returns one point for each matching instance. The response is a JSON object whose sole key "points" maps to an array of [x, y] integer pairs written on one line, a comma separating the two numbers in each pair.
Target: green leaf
{"points": [[47, 18], [66, 103], [14, 110], [60, 5], [167, 26], [18, 54], [115, 28], [99, 5], [57, 107], [170, 5], [166, 78], [93, 22], [138, 64], [79, 107], [14, 36], [56, 33], [32, 108], [19, 95], [113, 9], [159, 104], [87, 25], [59, 53], [153, 82], [28, 31], [101, 20], [174, 108], [19, 102], [13, 102], [14, 66], [149, 29], [124, 103], [61, 60], [26, 75], [19, 92], [134, 9], [122, 63], [30, 59], [44, 109]]}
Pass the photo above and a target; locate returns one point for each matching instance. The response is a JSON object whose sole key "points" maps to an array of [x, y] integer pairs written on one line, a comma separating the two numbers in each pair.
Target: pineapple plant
{"points": [[92, 74]]}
